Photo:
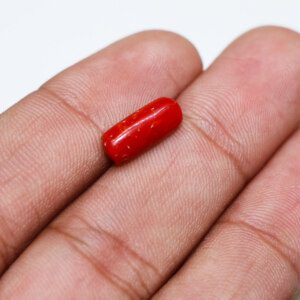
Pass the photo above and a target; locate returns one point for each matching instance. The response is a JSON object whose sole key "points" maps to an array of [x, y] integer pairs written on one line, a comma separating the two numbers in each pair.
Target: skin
{"points": [[212, 212]]}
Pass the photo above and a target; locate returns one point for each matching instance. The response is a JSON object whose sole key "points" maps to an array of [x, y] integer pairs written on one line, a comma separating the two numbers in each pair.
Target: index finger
{"points": [[50, 141]]}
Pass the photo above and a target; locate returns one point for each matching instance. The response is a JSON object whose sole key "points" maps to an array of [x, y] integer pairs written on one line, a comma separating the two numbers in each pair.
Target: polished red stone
{"points": [[142, 129]]}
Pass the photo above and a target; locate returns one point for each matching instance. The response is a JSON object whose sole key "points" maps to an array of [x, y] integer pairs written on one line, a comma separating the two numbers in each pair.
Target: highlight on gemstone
{"points": [[142, 129]]}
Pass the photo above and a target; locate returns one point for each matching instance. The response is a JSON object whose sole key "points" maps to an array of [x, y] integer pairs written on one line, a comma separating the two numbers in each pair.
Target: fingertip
{"points": [[172, 40], [171, 49], [271, 31], [266, 43]]}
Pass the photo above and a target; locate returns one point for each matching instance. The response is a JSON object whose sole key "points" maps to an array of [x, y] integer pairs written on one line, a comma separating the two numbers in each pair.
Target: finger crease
{"points": [[277, 245], [7, 250], [115, 280], [237, 163], [135, 262], [71, 108]]}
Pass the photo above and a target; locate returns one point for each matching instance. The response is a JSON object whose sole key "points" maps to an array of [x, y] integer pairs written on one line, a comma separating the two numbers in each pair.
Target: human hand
{"points": [[138, 230]]}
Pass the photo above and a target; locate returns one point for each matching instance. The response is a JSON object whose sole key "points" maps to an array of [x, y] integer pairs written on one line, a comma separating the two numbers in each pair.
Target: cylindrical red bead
{"points": [[142, 129]]}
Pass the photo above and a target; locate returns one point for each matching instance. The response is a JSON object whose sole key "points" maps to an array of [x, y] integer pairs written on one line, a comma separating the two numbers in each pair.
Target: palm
{"points": [[133, 226]]}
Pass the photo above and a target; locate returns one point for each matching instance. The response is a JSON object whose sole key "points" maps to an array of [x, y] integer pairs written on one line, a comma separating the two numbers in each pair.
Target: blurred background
{"points": [[39, 38]]}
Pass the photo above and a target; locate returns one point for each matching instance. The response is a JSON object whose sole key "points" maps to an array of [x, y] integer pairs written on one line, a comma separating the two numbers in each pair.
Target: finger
{"points": [[50, 141], [254, 250], [130, 231]]}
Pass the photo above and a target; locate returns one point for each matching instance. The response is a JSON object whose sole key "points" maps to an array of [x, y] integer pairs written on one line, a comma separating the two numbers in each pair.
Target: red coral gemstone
{"points": [[142, 129]]}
